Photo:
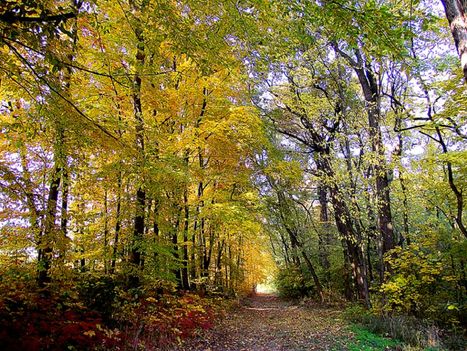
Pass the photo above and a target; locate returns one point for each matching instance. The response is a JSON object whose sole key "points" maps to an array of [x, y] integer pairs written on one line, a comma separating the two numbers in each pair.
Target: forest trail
{"points": [[267, 323]]}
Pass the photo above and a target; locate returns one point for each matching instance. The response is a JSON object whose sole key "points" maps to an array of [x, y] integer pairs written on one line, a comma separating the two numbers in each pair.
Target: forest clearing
{"points": [[161, 161]]}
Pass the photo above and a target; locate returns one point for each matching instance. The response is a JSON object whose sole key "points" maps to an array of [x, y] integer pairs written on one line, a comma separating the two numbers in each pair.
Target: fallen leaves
{"points": [[266, 323]]}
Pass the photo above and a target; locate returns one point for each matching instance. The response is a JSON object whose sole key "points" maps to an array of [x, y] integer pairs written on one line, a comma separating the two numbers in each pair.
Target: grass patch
{"points": [[419, 334], [364, 340]]}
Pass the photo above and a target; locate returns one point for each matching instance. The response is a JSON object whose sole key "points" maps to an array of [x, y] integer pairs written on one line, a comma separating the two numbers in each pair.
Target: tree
{"points": [[455, 13]]}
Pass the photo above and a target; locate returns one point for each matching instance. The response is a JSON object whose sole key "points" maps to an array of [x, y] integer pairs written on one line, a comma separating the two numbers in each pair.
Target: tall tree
{"points": [[456, 14]]}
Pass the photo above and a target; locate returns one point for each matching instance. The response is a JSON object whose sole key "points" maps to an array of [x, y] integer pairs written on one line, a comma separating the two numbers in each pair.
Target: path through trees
{"points": [[267, 323]]}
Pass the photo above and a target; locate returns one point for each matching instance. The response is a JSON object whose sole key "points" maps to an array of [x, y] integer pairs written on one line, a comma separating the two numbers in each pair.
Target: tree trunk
{"points": [[47, 239], [185, 280], [176, 254], [106, 232], [64, 209], [455, 13], [118, 222], [371, 93], [218, 275], [138, 229], [309, 264], [351, 237], [324, 239]]}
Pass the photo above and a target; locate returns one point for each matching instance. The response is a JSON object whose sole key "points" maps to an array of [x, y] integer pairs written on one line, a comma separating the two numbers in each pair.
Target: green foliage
{"points": [[424, 281], [291, 283], [98, 293], [131, 150], [410, 330], [367, 341]]}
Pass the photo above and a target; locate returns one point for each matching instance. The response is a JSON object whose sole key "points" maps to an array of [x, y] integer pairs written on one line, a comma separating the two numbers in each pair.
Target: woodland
{"points": [[160, 159]]}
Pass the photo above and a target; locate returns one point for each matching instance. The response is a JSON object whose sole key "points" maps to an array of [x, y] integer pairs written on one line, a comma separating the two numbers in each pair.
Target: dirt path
{"points": [[266, 323]]}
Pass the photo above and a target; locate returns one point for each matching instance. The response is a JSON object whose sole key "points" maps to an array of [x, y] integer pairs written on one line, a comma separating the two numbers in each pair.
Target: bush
{"points": [[98, 293], [157, 322], [409, 329], [424, 285], [32, 320], [291, 283]]}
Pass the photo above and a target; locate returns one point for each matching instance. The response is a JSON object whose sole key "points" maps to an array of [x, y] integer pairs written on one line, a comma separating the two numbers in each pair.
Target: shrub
{"points": [[415, 332], [156, 322], [291, 283], [423, 284], [36, 322], [98, 293]]}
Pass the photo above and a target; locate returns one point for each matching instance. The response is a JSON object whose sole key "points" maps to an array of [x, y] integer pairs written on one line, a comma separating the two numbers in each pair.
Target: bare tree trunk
{"points": [[292, 230], [47, 239], [138, 229], [117, 223], [309, 264], [352, 237], [106, 232], [325, 234], [64, 209], [455, 13], [218, 275], [185, 279], [176, 254]]}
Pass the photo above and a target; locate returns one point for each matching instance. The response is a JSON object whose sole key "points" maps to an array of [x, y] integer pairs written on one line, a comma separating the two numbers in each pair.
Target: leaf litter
{"points": [[267, 323]]}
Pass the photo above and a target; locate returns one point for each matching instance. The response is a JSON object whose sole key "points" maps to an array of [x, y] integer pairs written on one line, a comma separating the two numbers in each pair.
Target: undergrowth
{"points": [[364, 340], [99, 314], [417, 334]]}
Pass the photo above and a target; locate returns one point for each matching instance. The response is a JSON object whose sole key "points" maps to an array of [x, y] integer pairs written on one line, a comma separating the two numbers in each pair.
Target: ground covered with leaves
{"points": [[265, 322]]}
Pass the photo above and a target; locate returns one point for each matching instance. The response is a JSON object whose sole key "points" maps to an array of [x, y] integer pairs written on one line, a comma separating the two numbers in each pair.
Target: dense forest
{"points": [[157, 157]]}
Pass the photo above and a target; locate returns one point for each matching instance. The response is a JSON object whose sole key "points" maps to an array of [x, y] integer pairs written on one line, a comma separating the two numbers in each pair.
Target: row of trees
{"points": [[374, 139], [127, 144], [166, 140]]}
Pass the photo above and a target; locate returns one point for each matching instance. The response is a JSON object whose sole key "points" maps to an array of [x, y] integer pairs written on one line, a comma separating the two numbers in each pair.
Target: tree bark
{"points": [[371, 93], [118, 222], [175, 247], [325, 232], [185, 278], [351, 237], [455, 13], [47, 239], [139, 222]]}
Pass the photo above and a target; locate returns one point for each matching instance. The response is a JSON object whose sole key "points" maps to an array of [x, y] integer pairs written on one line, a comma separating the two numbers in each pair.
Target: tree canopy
{"points": [[210, 145]]}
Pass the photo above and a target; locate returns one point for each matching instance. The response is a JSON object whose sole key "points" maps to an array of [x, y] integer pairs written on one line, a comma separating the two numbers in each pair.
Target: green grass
{"points": [[365, 340]]}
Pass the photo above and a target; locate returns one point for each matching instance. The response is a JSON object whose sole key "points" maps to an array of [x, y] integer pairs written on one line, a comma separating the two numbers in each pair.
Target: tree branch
{"points": [[9, 17]]}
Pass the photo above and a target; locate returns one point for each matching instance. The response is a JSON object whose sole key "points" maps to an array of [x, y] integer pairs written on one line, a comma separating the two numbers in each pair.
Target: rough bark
{"points": [[175, 245], [455, 13]]}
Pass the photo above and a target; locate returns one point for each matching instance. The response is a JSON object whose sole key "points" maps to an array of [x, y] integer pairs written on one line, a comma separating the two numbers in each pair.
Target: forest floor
{"points": [[267, 323]]}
